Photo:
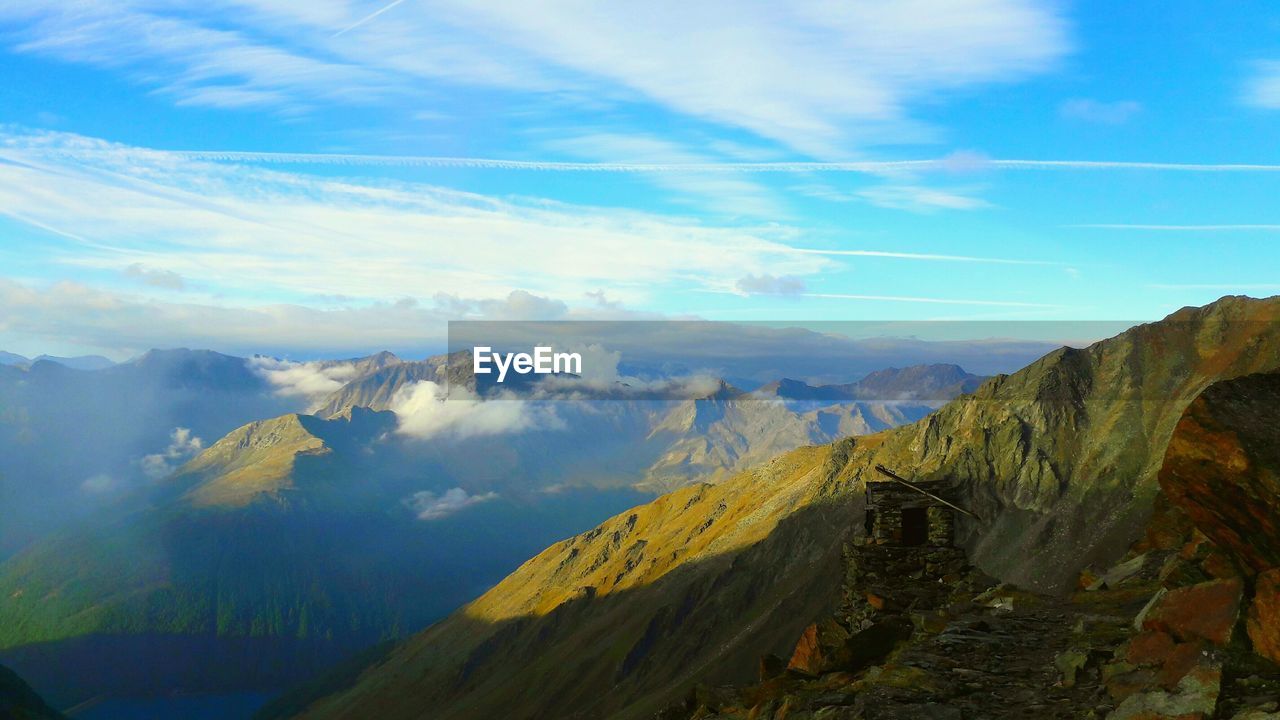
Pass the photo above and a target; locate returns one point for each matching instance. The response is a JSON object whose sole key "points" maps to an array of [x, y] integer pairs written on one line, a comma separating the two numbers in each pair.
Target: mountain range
{"points": [[291, 542], [1059, 462], [79, 362]]}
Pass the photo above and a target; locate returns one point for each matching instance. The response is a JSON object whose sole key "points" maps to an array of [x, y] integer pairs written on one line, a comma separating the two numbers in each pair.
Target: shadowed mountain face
{"points": [[19, 702], [1059, 460]]}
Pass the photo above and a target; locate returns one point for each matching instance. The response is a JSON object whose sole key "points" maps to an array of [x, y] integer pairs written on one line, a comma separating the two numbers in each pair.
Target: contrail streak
{"points": [[946, 164], [1215, 286], [929, 300], [1178, 228], [921, 256], [368, 17]]}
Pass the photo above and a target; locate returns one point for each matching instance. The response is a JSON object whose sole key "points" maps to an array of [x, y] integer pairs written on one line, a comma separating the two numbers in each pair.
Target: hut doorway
{"points": [[915, 526]]}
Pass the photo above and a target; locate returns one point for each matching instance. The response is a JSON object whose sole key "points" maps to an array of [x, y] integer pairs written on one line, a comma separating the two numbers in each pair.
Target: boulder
{"points": [[1119, 573], [1206, 611], [821, 648]]}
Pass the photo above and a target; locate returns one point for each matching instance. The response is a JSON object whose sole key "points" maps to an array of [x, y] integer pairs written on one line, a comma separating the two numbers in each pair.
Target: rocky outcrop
{"points": [[1205, 611], [1223, 467]]}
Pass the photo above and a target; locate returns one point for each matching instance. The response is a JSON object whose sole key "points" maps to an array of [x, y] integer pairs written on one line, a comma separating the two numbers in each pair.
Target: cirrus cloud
{"points": [[815, 76], [240, 230]]}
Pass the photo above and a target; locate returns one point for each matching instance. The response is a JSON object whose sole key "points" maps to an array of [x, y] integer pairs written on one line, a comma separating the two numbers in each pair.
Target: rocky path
{"points": [[1021, 658]]}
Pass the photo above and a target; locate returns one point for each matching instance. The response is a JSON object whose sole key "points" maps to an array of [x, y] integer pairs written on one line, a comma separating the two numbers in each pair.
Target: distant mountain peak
{"points": [[8, 358], [255, 458], [80, 362]]}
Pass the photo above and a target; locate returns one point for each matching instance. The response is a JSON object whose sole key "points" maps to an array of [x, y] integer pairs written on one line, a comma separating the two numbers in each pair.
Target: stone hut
{"points": [[898, 514]]}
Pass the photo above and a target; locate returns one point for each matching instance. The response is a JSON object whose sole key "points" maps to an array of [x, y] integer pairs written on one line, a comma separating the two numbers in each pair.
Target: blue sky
{"points": [[258, 174]]}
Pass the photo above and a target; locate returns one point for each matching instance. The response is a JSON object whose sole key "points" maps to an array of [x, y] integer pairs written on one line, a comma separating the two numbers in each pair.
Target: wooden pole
{"points": [[894, 476]]}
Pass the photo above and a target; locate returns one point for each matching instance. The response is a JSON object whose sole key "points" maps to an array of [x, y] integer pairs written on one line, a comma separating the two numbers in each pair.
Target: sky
{"points": [[334, 177]]}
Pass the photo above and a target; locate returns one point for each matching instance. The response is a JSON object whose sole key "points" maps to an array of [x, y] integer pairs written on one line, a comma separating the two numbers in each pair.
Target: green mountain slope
{"points": [[278, 551], [1060, 460]]}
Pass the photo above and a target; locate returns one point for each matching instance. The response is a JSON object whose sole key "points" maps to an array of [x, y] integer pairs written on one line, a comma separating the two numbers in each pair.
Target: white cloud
{"points": [[518, 305], [312, 380], [243, 230], [182, 446], [770, 285], [425, 410], [1098, 111], [99, 484], [430, 506], [725, 194], [813, 75], [1263, 89], [195, 63], [800, 73], [919, 199], [165, 279], [124, 324]]}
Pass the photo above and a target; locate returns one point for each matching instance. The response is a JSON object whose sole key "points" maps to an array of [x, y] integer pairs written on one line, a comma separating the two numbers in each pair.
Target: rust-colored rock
{"points": [[1219, 565], [807, 657], [1182, 659], [1263, 622], [1207, 611], [1149, 648], [1222, 467], [821, 648]]}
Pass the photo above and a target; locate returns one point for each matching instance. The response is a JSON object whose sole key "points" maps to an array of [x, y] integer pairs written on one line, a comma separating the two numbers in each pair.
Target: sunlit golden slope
{"points": [[1060, 460], [256, 458], [581, 616]]}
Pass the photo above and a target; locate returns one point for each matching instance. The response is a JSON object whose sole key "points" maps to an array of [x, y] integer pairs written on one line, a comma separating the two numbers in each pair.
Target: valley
{"points": [[264, 558]]}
